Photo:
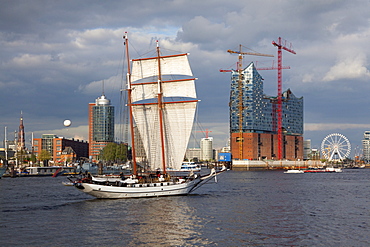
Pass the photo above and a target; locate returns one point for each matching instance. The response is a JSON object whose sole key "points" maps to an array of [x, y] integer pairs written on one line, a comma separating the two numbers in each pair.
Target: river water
{"points": [[249, 208]]}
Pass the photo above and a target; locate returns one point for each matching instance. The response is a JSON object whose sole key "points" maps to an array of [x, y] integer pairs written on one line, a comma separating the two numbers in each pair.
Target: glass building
{"points": [[366, 146], [258, 109], [251, 111], [101, 125]]}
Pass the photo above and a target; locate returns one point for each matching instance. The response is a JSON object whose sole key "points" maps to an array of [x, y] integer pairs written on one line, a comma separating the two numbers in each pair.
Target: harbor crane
{"points": [[206, 131], [281, 45], [240, 87]]}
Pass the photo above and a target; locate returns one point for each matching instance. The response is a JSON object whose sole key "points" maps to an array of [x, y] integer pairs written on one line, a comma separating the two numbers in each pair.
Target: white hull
{"points": [[148, 190], [294, 171], [139, 190]]}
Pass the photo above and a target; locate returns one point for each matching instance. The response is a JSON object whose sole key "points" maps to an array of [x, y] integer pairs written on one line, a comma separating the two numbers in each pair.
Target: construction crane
{"points": [[259, 68], [281, 45], [206, 131], [240, 87], [272, 67]]}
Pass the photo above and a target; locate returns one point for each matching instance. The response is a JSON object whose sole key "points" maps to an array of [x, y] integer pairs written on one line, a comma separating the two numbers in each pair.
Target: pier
{"points": [[245, 165]]}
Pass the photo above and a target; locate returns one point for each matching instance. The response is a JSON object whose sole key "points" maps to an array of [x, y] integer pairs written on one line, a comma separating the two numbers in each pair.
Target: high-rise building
{"points": [[101, 125], [206, 153], [366, 146], [307, 149], [253, 119]]}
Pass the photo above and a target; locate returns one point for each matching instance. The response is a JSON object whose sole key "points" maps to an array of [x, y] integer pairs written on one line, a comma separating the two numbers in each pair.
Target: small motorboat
{"points": [[294, 171]]}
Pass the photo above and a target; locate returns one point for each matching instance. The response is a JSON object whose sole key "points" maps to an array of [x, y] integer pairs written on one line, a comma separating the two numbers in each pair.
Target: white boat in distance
{"points": [[294, 171], [162, 102], [190, 166], [328, 170]]}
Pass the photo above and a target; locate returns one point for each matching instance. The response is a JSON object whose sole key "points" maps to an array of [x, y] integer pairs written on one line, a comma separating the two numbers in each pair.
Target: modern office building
{"points": [[253, 119], [307, 149], [206, 148], [366, 146], [101, 125], [61, 149]]}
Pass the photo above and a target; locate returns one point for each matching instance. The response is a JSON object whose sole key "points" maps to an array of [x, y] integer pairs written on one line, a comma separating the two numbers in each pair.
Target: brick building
{"points": [[60, 148]]}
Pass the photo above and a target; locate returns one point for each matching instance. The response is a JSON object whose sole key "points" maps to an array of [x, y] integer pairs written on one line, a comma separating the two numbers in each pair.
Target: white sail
{"points": [[179, 100], [178, 124], [184, 88], [170, 65]]}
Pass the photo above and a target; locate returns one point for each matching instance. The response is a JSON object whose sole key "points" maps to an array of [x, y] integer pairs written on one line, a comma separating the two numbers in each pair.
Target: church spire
{"points": [[21, 140]]}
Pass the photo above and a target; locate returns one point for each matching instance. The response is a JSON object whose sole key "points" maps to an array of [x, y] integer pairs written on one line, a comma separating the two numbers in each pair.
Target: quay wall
{"points": [[243, 165]]}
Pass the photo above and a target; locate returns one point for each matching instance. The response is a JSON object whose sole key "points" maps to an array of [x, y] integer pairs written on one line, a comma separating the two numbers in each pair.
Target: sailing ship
{"points": [[162, 102]]}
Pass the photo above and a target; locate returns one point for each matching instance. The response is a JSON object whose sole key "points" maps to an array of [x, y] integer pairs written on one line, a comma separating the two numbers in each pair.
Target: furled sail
{"points": [[179, 105]]}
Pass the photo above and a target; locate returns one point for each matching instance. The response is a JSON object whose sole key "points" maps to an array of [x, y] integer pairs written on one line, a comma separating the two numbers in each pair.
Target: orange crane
{"points": [[259, 68], [240, 89], [281, 44]]}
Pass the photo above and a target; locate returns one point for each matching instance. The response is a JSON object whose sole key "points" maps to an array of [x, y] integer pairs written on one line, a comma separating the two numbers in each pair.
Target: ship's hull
{"points": [[119, 189], [139, 190]]}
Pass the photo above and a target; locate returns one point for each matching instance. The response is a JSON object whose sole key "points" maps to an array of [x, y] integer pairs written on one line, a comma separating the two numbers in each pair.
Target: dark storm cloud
{"points": [[56, 54]]}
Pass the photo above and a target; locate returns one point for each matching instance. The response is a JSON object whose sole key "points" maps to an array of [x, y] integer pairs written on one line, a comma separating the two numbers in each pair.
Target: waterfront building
{"points": [[61, 149], [101, 126], [225, 149], [307, 149], [366, 146], [206, 148], [253, 119], [193, 154]]}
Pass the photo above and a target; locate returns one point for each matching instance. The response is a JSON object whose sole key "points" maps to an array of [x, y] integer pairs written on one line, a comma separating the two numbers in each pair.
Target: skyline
{"points": [[55, 56]]}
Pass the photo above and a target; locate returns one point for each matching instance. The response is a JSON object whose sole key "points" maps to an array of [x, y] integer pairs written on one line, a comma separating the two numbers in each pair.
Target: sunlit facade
{"points": [[101, 125], [366, 146]]}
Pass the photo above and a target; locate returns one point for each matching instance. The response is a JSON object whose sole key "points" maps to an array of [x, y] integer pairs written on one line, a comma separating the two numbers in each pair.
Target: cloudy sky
{"points": [[55, 55]]}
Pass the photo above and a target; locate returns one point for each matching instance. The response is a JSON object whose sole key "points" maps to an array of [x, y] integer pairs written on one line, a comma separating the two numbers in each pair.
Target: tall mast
{"points": [[160, 109], [6, 145], [129, 89]]}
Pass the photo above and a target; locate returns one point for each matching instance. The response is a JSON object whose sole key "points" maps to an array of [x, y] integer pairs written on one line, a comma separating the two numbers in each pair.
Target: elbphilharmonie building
{"points": [[254, 119]]}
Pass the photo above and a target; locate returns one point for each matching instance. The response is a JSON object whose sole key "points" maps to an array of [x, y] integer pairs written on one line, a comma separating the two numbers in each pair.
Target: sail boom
{"points": [[166, 100], [172, 102], [166, 81], [156, 58]]}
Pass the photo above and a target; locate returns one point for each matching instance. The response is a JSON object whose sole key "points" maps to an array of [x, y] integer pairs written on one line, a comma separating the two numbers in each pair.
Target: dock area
{"points": [[245, 165]]}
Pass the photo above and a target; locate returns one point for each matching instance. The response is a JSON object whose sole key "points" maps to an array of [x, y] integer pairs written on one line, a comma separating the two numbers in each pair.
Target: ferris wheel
{"points": [[335, 147]]}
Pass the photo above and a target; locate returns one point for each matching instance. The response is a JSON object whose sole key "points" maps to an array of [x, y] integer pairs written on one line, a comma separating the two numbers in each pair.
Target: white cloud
{"points": [[334, 126], [349, 68], [72, 48]]}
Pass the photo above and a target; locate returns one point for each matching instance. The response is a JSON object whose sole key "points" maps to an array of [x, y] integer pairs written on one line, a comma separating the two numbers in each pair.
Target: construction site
{"points": [[262, 127]]}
